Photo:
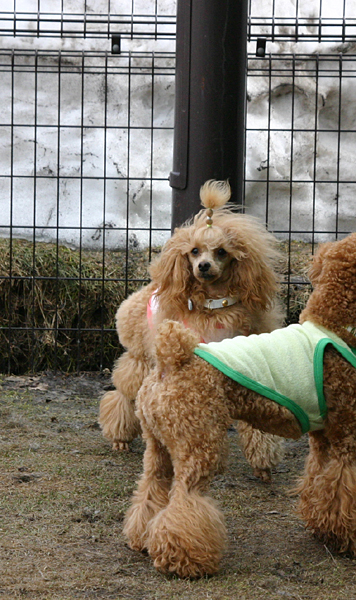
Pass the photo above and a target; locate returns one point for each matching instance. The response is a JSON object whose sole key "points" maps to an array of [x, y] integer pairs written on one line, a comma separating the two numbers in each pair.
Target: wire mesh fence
{"points": [[301, 145], [63, 18], [276, 20], [74, 143], [318, 21], [86, 150]]}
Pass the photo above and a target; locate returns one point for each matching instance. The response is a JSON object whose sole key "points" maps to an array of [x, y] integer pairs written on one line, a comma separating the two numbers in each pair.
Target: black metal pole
{"points": [[210, 100]]}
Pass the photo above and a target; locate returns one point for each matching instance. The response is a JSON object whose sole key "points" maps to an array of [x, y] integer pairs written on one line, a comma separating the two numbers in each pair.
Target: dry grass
{"points": [[295, 289], [57, 307]]}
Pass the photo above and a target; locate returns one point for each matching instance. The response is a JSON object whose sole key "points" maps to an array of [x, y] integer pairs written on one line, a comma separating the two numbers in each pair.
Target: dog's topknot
{"points": [[214, 194]]}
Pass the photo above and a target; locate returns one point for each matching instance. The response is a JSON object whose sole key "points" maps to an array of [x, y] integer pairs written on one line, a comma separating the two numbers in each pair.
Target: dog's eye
{"points": [[221, 253], [195, 251]]}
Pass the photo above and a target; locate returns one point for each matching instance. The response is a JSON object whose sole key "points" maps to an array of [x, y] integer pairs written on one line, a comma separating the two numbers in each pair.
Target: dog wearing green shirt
{"points": [[296, 380]]}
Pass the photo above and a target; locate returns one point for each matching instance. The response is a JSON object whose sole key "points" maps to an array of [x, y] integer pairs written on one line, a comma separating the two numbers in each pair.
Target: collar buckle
{"points": [[214, 303]]}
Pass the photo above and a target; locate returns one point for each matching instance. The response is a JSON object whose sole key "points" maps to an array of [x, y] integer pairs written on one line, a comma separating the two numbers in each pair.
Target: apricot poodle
{"points": [[217, 276], [186, 404]]}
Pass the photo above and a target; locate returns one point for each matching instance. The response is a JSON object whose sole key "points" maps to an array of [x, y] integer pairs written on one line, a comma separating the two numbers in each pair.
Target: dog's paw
{"points": [[121, 446], [173, 561], [263, 474]]}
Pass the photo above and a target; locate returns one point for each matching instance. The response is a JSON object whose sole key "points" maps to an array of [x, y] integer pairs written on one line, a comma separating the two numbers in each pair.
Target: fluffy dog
{"points": [[186, 405], [219, 281]]}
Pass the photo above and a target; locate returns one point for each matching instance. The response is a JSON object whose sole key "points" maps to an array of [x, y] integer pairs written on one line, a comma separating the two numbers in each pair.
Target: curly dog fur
{"points": [[234, 258], [185, 406]]}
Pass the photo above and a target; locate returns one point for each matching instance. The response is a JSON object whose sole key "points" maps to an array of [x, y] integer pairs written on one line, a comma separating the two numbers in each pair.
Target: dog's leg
{"points": [[117, 408], [327, 500], [262, 450], [328, 489], [188, 537], [151, 495], [318, 457]]}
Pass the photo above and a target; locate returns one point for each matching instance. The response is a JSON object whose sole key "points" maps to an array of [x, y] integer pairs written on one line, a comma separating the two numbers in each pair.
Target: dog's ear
{"points": [[317, 262], [255, 280], [171, 269]]}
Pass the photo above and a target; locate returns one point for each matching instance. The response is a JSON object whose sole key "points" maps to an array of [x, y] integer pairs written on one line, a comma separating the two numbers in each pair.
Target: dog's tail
{"points": [[214, 194], [174, 345]]}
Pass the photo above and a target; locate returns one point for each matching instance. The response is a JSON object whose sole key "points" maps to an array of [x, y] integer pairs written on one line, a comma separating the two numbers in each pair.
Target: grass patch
{"points": [[58, 305]]}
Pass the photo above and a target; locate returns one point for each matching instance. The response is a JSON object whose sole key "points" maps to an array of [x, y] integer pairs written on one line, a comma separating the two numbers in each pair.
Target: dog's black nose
{"points": [[204, 266]]}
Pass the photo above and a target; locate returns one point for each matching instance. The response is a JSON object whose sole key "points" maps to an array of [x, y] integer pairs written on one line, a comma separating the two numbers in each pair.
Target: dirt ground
{"points": [[64, 494]]}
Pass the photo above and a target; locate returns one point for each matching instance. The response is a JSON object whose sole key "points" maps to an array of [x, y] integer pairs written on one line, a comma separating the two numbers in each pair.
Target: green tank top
{"points": [[285, 365]]}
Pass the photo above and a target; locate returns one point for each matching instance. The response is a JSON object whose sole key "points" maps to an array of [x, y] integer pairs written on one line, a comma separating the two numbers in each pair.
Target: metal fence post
{"points": [[210, 100]]}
